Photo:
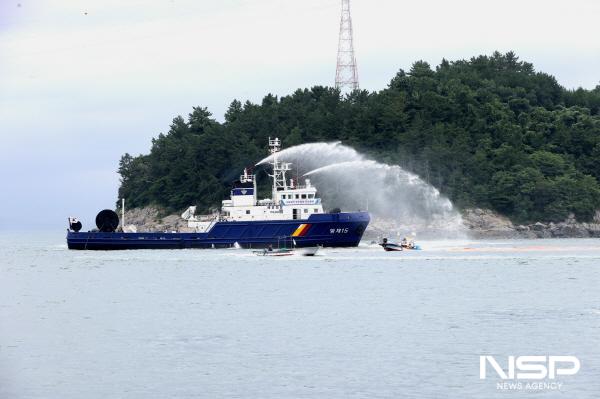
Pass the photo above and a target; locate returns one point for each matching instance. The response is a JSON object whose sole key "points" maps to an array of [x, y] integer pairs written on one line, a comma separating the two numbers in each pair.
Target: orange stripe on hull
{"points": [[298, 230], [301, 230]]}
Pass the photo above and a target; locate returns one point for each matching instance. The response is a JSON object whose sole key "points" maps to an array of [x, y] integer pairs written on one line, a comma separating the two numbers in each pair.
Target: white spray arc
{"points": [[399, 201], [314, 155]]}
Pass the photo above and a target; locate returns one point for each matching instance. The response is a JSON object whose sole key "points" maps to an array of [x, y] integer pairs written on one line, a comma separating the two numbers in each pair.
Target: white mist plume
{"points": [[348, 180], [314, 155]]}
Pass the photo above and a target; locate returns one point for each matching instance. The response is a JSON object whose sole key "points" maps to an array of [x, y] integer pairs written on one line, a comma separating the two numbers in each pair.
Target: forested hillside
{"points": [[489, 132]]}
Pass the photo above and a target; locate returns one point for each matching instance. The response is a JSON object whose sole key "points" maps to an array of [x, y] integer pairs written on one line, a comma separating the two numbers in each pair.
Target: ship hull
{"points": [[328, 230]]}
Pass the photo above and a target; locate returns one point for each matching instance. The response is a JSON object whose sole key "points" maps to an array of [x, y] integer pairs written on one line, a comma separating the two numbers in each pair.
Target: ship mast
{"points": [[279, 168]]}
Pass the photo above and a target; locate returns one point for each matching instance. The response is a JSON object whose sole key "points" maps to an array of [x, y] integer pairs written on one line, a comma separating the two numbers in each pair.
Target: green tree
{"points": [[490, 131]]}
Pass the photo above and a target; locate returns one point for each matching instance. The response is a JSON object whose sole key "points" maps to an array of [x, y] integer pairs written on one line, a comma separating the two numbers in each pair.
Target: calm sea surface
{"points": [[350, 323]]}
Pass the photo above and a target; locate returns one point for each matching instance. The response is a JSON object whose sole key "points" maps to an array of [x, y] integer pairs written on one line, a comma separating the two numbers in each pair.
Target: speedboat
{"points": [[390, 246]]}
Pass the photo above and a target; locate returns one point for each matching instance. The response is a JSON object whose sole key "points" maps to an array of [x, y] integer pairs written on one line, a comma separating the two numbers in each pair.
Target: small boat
{"points": [[409, 243], [413, 247], [390, 246], [285, 248], [275, 252], [308, 251]]}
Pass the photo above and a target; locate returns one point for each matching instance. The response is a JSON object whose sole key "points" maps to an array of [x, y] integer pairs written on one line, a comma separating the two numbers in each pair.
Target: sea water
{"points": [[348, 323]]}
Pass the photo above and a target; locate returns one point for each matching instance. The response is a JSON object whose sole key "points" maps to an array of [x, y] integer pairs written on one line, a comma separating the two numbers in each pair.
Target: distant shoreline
{"points": [[486, 224]]}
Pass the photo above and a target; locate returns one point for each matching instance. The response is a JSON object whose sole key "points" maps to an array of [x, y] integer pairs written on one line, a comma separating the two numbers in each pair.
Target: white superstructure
{"points": [[289, 200]]}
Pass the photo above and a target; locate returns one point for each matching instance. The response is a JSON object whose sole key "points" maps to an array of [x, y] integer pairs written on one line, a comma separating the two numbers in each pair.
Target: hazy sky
{"points": [[84, 81]]}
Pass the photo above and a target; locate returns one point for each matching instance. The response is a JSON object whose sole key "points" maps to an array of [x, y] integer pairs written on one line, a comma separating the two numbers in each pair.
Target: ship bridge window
{"points": [[305, 210], [297, 196], [311, 196], [283, 196], [303, 196]]}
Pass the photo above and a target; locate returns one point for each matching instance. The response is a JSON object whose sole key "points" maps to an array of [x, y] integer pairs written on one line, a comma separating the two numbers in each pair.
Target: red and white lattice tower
{"points": [[346, 74]]}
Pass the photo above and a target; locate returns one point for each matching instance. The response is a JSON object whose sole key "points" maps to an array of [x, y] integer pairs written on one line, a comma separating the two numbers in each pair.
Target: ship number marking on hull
{"points": [[339, 231]]}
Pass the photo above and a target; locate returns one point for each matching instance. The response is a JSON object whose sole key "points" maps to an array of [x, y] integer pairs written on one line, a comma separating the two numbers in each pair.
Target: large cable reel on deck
{"points": [[107, 221]]}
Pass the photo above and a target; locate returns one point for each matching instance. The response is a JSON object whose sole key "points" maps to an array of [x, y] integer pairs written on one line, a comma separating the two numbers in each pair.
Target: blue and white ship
{"points": [[292, 216]]}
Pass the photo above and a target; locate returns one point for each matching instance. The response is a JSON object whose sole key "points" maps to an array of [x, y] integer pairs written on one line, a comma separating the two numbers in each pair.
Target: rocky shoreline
{"points": [[483, 223], [478, 224], [150, 219]]}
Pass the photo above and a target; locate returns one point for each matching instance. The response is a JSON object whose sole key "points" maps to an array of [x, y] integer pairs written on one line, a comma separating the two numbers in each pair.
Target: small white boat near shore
{"points": [[307, 251], [275, 252]]}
